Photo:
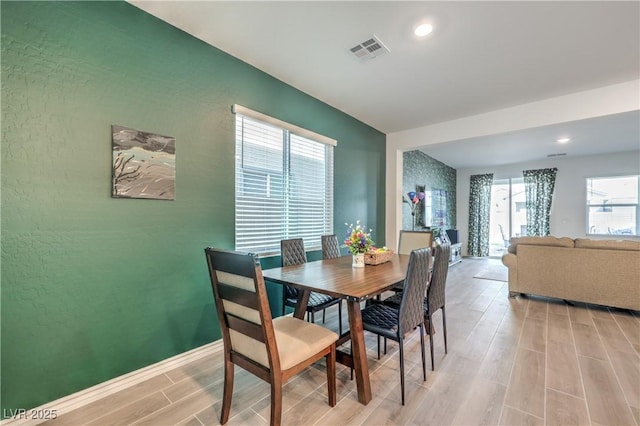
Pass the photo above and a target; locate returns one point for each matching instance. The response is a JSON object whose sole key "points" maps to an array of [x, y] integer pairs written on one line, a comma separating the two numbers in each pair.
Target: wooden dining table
{"points": [[337, 278]]}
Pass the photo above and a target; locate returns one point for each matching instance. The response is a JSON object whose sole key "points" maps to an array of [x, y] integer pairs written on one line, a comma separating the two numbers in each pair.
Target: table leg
{"points": [[301, 306], [359, 352]]}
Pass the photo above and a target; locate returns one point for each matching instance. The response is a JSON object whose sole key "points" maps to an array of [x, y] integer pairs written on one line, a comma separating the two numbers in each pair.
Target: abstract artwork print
{"points": [[144, 164]]}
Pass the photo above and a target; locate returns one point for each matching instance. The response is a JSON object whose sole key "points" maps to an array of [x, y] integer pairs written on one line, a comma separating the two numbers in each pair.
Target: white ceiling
{"points": [[606, 134], [482, 56]]}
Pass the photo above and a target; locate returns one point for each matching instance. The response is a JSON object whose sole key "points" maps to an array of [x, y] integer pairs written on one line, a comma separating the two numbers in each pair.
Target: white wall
{"points": [[568, 209], [577, 106]]}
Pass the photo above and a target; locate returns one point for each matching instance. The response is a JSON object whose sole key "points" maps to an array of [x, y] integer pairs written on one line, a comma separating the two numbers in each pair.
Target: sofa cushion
{"points": [[540, 241], [607, 244]]}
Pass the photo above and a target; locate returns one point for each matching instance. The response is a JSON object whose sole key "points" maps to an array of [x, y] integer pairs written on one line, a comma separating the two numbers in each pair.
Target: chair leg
{"points": [[424, 364], [331, 375], [323, 314], [378, 336], [276, 401], [340, 318], [385, 345], [444, 329], [401, 349], [313, 317], [227, 392], [431, 343]]}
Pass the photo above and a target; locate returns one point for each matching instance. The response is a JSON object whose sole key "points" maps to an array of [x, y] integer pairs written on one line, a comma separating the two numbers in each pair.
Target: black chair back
{"points": [[292, 253], [436, 290], [330, 247], [394, 323], [411, 310]]}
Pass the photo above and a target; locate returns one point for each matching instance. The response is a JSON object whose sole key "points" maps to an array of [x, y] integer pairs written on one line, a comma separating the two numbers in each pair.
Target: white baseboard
{"points": [[86, 396]]}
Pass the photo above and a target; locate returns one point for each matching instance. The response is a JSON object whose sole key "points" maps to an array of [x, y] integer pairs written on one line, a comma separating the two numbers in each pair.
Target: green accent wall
{"points": [[94, 287]]}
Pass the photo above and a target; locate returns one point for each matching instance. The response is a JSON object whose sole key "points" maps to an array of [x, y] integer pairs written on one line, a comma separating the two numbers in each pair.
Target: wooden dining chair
{"points": [[293, 253], [396, 322], [272, 349], [411, 240], [435, 298]]}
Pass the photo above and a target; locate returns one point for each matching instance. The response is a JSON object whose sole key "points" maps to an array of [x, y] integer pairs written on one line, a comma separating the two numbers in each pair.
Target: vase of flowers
{"points": [[358, 260], [358, 242]]}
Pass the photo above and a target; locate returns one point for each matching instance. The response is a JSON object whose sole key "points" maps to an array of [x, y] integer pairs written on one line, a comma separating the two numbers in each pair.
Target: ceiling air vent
{"points": [[562, 154], [369, 49]]}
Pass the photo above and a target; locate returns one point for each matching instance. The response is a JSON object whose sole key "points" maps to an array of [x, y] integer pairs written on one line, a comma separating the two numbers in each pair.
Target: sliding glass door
{"points": [[508, 217]]}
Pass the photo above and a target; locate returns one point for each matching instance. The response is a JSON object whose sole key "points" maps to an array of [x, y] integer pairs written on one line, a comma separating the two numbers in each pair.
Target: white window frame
{"points": [[292, 221], [589, 205]]}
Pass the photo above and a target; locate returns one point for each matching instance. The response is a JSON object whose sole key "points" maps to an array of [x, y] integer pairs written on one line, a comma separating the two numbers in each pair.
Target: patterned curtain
{"points": [[538, 187], [479, 208]]}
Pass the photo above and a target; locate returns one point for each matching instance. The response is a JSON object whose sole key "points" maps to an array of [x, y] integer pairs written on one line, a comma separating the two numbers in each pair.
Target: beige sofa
{"points": [[601, 272]]}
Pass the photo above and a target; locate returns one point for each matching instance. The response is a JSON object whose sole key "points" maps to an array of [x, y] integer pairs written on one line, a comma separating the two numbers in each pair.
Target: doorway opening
{"points": [[508, 216]]}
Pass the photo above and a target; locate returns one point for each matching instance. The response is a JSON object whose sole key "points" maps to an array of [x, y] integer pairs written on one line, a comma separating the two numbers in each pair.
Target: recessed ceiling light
{"points": [[563, 140], [423, 30]]}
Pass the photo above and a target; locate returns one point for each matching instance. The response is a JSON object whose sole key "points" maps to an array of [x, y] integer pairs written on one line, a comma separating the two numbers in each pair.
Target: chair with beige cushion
{"points": [[411, 240], [272, 349]]}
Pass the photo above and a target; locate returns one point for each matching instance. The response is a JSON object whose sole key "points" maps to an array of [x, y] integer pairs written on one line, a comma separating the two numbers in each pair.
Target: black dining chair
{"points": [[435, 298], [331, 250], [293, 253], [330, 247], [409, 241], [272, 349], [396, 322]]}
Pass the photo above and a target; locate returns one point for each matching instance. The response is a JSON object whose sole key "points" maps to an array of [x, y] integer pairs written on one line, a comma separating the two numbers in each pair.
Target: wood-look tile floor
{"points": [[510, 361]]}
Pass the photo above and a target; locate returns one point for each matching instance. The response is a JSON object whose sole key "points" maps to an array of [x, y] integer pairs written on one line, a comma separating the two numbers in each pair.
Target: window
{"points": [[508, 215], [284, 184], [612, 205]]}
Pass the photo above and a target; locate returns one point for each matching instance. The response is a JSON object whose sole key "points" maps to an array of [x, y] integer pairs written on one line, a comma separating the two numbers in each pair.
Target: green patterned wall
{"points": [[420, 169]]}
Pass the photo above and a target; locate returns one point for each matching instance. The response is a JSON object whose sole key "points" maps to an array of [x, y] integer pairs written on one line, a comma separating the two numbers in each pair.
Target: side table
{"points": [[456, 254]]}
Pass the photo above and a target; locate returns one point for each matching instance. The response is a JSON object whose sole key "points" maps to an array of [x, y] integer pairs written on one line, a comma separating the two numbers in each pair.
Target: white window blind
{"points": [[284, 184]]}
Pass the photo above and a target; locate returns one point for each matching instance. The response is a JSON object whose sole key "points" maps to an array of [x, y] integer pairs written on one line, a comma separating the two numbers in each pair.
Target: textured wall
{"points": [[94, 287], [420, 169]]}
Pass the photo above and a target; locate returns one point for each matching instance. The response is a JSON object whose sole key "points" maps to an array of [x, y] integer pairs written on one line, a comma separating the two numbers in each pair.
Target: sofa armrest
{"points": [[510, 260]]}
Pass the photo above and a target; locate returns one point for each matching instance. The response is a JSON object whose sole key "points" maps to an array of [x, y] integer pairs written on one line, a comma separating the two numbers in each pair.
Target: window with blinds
{"points": [[284, 184]]}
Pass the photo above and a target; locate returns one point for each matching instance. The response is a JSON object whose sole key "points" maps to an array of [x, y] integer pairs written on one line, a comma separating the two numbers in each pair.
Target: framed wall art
{"points": [[144, 164]]}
